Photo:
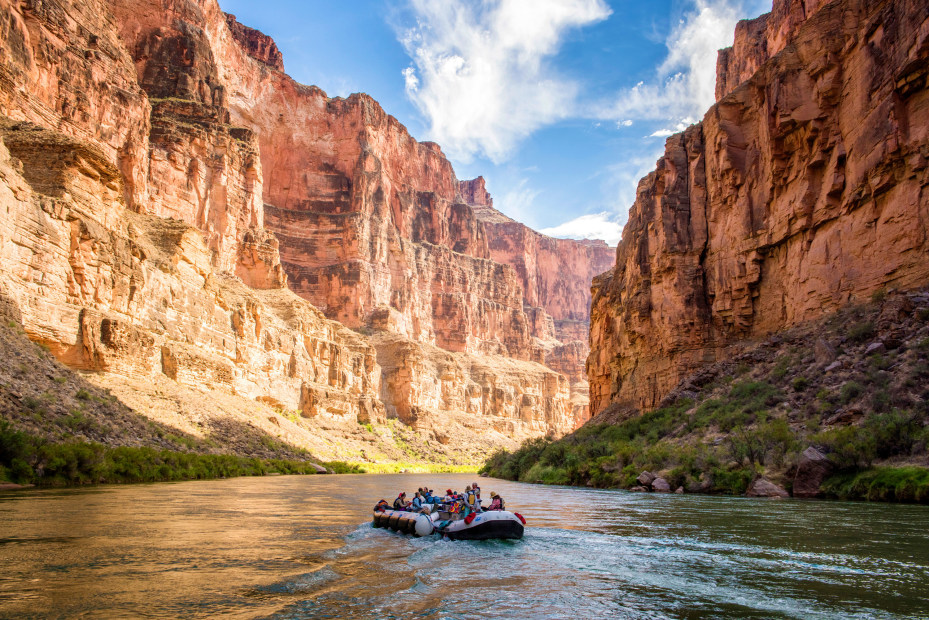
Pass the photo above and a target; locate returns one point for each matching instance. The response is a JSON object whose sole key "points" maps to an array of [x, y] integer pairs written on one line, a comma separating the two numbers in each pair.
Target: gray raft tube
{"points": [[413, 523]]}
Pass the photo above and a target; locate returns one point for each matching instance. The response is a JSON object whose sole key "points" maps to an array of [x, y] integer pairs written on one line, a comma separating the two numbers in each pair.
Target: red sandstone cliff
{"points": [[374, 228], [555, 275], [164, 182], [803, 189]]}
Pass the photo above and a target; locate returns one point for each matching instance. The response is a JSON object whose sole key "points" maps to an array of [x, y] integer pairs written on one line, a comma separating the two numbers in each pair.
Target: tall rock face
{"points": [[555, 276], [555, 273], [163, 184], [803, 189], [374, 227]]}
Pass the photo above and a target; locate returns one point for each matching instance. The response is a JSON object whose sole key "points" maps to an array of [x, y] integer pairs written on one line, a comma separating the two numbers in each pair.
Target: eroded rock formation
{"points": [[374, 227], [163, 183], [804, 188]]}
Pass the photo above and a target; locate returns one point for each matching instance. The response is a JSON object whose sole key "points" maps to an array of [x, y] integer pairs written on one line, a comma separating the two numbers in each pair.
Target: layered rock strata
{"points": [[803, 189], [555, 275], [163, 183], [112, 291], [374, 227]]}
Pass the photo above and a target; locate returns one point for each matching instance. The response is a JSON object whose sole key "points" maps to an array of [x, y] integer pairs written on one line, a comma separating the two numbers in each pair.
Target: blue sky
{"points": [[562, 105]]}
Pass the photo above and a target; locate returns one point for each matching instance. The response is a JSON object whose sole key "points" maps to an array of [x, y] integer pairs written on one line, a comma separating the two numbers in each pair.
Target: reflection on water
{"points": [[302, 547]]}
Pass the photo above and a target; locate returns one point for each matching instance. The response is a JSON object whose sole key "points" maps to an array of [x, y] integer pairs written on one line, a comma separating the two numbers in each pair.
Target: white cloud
{"points": [[625, 123], [685, 83], [479, 72], [593, 226], [516, 201], [679, 127]]}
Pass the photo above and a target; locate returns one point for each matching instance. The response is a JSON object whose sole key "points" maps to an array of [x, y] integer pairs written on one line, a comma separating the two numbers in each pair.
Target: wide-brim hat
{"points": [[492, 494]]}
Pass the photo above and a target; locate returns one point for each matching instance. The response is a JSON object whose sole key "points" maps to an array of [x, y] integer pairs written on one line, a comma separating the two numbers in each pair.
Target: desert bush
{"points": [[860, 332]]}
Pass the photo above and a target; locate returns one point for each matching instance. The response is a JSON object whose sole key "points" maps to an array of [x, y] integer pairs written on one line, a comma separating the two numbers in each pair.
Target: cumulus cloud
{"points": [[479, 71], [593, 226], [685, 83], [683, 124]]}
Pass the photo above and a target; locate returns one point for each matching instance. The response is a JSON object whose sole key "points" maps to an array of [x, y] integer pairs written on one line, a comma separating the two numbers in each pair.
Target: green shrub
{"points": [[894, 433], [861, 332], [734, 481], [800, 384], [850, 391], [903, 484]]}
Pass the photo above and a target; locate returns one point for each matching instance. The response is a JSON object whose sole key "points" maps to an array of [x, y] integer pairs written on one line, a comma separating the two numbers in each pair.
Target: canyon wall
{"points": [[374, 227], [555, 275], [803, 189], [174, 209]]}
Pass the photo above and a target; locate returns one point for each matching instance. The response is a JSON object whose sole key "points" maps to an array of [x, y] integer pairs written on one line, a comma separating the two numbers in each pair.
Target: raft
{"points": [[494, 524]]}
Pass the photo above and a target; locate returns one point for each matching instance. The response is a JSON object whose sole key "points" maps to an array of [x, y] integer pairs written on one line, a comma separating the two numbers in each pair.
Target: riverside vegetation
{"points": [[855, 386], [25, 459]]}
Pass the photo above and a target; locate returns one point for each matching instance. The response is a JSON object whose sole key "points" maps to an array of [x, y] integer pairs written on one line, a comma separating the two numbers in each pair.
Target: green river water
{"points": [[303, 547]]}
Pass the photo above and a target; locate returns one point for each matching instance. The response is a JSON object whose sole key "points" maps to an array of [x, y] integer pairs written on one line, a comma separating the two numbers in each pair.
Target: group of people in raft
{"points": [[459, 504]]}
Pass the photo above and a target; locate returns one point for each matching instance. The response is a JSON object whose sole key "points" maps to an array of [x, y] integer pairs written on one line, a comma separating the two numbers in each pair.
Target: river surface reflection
{"points": [[303, 547]]}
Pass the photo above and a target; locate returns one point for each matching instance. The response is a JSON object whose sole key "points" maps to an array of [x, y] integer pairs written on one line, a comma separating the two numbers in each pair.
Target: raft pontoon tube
{"points": [[493, 524], [405, 522]]}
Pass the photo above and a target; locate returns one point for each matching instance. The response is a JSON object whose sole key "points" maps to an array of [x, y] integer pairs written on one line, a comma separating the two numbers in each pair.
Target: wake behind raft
{"points": [[494, 524]]}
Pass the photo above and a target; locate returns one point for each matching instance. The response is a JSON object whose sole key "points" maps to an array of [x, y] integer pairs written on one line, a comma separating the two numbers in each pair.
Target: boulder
{"points": [[680, 490], [763, 487], [646, 478], [660, 485], [814, 467], [824, 352], [875, 347], [638, 489]]}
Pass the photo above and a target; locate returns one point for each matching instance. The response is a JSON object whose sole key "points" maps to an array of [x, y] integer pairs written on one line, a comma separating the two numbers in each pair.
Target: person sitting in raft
{"points": [[400, 503], [417, 502], [477, 495], [470, 498], [427, 496], [382, 506], [496, 502]]}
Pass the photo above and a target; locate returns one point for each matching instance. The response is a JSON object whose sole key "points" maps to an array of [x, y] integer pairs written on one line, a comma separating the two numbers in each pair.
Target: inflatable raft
{"points": [[494, 524]]}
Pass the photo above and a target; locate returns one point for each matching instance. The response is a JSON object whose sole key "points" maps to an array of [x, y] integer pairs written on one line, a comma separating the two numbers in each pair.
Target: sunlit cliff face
{"points": [[167, 189], [801, 190]]}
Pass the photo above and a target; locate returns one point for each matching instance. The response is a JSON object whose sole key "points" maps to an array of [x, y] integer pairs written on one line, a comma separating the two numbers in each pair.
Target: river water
{"points": [[303, 547]]}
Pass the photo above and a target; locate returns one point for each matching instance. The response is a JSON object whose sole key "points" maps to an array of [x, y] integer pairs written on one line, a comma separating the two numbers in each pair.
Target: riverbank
{"points": [[836, 408], [27, 460]]}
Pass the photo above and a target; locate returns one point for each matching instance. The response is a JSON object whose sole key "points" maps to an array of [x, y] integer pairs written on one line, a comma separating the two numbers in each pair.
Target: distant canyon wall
{"points": [[803, 189]]}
